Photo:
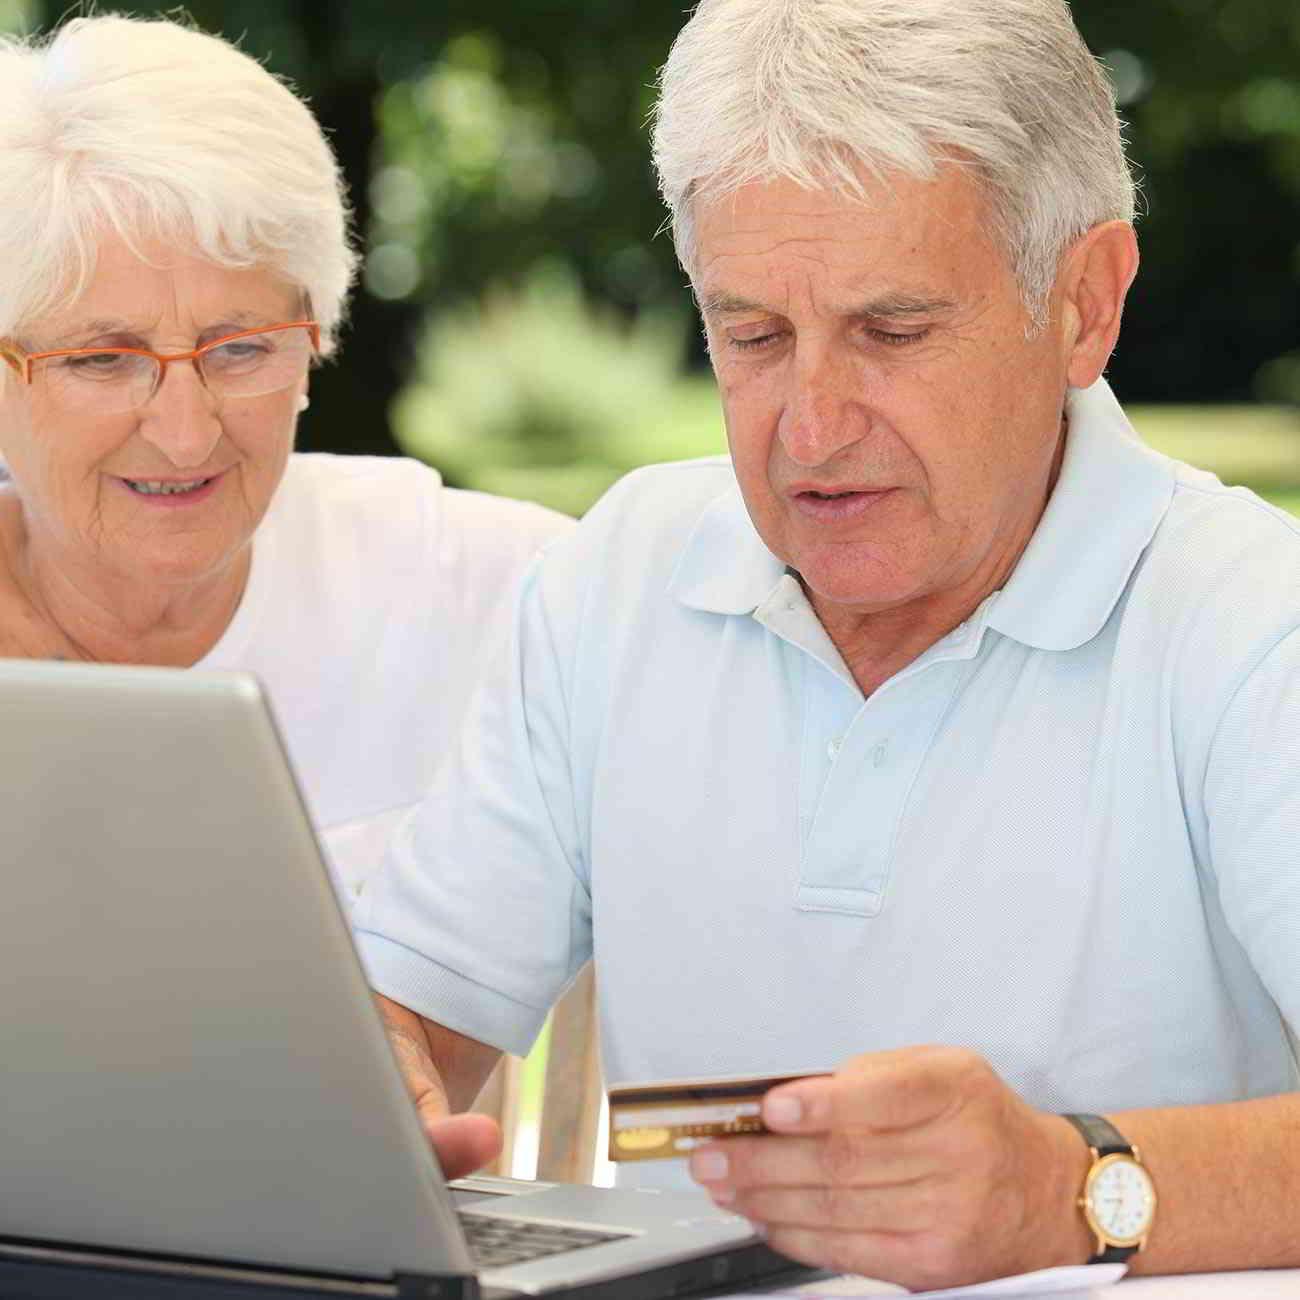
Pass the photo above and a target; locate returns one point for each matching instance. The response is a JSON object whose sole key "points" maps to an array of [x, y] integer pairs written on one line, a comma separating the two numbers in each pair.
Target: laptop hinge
{"points": [[437, 1286]]}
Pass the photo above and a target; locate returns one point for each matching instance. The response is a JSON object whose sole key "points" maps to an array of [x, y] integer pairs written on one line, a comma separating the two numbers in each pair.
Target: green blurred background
{"points": [[521, 324]]}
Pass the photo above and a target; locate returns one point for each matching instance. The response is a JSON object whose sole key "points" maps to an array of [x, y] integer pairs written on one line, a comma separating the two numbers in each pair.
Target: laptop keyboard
{"points": [[495, 1243]]}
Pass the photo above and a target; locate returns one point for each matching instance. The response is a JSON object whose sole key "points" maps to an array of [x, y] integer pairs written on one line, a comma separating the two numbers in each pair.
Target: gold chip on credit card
{"points": [[661, 1121]]}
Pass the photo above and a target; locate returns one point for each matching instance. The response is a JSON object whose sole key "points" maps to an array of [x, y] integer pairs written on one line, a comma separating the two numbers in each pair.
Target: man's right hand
{"points": [[462, 1143]]}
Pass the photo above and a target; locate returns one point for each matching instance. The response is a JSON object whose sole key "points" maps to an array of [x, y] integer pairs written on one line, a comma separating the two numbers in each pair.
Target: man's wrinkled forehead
{"points": [[901, 250], [951, 195]]}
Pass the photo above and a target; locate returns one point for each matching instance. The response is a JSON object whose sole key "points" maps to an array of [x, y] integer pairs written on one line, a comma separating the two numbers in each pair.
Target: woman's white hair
{"points": [[153, 129], [821, 91]]}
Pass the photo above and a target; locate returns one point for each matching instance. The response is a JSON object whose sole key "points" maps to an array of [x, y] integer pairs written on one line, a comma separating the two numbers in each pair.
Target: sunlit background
{"points": [[522, 325]]}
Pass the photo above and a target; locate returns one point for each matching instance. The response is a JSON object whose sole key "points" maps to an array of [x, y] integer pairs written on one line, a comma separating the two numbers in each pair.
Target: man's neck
{"points": [[875, 647]]}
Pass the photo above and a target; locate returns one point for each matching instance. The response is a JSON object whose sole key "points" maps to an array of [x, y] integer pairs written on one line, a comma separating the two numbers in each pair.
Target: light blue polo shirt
{"points": [[1066, 836]]}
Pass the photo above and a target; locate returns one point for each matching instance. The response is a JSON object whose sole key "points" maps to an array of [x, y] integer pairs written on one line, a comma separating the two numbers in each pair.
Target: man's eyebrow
{"points": [[721, 303], [890, 306]]}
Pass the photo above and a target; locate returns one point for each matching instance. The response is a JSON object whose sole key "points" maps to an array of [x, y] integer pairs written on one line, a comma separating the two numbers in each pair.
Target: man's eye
{"points": [[896, 339], [754, 342]]}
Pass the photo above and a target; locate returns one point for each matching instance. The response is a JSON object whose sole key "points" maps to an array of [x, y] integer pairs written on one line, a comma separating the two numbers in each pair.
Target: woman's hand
{"points": [[462, 1143]]}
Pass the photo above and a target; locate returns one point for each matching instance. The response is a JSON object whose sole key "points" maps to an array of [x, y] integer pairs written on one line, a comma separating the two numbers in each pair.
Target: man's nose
{"points": [[180, 419], [823, 411]]}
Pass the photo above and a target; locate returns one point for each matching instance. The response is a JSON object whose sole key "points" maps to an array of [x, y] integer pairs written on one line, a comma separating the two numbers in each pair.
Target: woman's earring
{"points": [[304, 402]]}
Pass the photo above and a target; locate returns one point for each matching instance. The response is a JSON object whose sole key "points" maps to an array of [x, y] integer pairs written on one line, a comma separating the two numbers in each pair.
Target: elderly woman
{"points": [[175, 260]]}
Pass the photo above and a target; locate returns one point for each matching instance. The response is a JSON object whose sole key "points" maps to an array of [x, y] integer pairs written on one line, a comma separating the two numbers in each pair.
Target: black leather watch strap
{"points": [[1101, 1135], [1106, 1140], [1113, 1255]]}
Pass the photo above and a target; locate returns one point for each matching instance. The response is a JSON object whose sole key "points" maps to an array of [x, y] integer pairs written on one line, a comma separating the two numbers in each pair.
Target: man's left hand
{"points": [[917, 1166]]}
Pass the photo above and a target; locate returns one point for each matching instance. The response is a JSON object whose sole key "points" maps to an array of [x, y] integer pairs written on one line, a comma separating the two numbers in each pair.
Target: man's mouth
{"points": [[155, 487], [830, 507]]}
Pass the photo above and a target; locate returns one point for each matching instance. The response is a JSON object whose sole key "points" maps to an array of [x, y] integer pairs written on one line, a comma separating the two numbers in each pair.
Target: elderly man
{"points": [[944, 713]]}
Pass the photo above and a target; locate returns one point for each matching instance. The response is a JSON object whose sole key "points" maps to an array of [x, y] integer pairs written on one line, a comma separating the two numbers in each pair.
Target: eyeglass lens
{"points": [[250, 366]]}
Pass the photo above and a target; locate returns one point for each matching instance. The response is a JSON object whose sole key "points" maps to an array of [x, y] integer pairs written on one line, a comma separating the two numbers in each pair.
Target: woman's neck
{"points": [[51, 607]]}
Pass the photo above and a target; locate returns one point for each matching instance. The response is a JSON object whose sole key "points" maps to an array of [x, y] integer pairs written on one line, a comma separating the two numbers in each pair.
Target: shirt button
{"points": [[833, 748], [880, 753]]}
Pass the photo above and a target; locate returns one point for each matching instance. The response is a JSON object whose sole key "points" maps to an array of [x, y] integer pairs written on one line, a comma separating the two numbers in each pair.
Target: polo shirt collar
{"points": [[724, 567], [1109, 498]]}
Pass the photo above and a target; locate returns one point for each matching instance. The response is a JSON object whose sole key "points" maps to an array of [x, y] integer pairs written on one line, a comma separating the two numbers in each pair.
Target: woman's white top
{"points": [[373, 595]]}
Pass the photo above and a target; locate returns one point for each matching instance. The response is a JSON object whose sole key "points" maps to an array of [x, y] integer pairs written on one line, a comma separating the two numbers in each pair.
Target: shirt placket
{"points": [[860, 758], [866, 775]]}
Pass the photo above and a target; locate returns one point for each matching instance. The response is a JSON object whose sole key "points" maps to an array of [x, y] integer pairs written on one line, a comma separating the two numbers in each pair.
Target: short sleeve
{"points": [[485, 543], [1252, 797], [480, 915]]}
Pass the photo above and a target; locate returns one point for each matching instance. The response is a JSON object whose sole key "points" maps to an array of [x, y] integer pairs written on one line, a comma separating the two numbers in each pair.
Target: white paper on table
{"points": [[1046, 1281]]}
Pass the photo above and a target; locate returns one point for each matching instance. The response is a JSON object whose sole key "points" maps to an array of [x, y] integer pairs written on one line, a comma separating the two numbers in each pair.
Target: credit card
{"points": [[661, 1121]]}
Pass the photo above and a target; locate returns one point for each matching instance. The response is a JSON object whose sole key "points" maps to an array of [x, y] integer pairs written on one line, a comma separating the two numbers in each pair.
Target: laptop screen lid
{"points": [[167, 923]]}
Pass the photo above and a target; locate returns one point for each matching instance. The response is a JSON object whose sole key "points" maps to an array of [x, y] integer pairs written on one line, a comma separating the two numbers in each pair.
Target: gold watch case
{"points": [[1100, 1174]]}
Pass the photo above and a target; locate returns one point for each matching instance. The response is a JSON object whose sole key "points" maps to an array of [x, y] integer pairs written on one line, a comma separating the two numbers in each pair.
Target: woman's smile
{"points": [[172, 493]]}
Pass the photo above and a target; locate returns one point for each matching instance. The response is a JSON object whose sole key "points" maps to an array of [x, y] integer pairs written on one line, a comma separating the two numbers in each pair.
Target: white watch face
{"points": [[1122, 1199]]}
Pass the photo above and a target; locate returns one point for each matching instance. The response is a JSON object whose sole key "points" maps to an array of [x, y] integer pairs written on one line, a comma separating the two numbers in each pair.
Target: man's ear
{"points": [[1095, 279]]}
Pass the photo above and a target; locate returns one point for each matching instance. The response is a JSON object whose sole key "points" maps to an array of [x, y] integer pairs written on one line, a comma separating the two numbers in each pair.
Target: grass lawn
{"points": [[1287, 500], [1255, 445]]}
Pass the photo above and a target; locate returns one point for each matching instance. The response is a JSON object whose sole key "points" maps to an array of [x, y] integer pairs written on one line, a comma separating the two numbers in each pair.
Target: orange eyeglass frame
{"points": [[22, 361]]}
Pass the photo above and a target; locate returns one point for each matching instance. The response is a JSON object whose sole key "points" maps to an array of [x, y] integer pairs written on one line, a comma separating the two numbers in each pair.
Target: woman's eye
{"points": [[241, 354], [97, 362]]}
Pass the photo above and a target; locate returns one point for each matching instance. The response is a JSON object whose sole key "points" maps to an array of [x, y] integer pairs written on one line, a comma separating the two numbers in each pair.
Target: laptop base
{"points": [[41, 1271]]}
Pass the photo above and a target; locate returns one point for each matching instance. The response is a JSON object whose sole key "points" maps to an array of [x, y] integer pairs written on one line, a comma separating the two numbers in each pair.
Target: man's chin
{"points": [[845, 584]]}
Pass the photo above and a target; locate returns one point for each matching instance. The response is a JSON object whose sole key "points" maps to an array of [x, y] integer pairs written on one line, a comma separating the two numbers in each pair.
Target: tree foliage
{"points": [[1212, 91], [481, 140]]}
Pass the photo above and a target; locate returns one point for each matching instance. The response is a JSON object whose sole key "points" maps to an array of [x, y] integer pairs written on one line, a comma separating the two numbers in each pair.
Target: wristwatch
{"points": [[1119, 1198]]}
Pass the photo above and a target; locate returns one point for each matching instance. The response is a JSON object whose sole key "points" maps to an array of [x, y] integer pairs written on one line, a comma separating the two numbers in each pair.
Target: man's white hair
{"points": [[820, 91], [153, 129]]}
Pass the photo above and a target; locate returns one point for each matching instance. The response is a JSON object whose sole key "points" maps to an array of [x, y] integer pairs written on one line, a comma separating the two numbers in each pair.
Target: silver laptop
{"points": [[194, 1075]]}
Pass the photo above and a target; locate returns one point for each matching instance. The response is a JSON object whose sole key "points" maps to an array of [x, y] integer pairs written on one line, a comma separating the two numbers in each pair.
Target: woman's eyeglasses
{"points": [[251, 363]]}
